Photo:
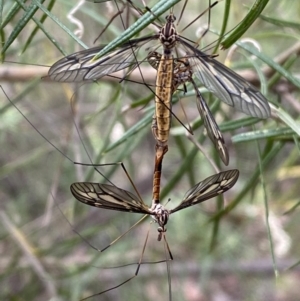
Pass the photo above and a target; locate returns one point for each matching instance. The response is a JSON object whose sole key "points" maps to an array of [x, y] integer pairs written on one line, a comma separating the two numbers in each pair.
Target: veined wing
{"points": [[108, 197], [80, 66], [211, 126], [227, 85], [209, 188]]}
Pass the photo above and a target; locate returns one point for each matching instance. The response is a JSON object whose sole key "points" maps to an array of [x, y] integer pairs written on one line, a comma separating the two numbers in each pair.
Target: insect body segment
{"points": [[164, 80], [163, 94], [159, 154], [162, 214]]}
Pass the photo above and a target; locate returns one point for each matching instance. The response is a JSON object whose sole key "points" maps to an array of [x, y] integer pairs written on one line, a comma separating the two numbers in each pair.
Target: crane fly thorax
{"points": [[182, 72]]}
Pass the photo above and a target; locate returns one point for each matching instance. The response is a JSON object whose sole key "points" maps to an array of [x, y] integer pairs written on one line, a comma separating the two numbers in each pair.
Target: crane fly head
{"points": [[168, 33]]}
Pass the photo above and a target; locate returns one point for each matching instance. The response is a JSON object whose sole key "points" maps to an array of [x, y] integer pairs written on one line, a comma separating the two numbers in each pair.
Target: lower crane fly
{"points": [[113, 198]]}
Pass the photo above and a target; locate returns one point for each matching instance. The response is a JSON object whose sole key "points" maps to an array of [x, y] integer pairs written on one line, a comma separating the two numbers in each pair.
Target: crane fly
{"points": [[228, 86], [183, 73], [110, 197]]}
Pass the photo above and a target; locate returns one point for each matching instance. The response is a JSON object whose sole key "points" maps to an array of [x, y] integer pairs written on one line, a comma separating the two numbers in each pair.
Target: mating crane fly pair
{"points": [[171, 73], [220, 80]]}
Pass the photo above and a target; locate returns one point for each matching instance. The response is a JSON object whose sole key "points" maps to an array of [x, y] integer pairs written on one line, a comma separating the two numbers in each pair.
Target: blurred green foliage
{"points": [[239, 249]]}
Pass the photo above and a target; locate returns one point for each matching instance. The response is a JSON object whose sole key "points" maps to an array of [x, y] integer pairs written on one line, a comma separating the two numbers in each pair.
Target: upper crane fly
{"points": [[227, 85]]}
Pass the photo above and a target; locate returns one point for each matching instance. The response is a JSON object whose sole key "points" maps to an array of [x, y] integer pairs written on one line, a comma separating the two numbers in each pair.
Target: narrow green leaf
{"points": [[237, 124], [1, 11], [287, 64], [21, 26], [263, 184], [292, 209], [2, 41], [263, 134], [224, 24], [34, 32], [252, 15], [289, 76], [281, 23], [27, 16], [10, 15], [287, 119]]}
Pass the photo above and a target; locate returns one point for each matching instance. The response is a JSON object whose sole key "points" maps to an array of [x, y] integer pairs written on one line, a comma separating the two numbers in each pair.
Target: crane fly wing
{"points": [[209, 188], [80, 66], [231, 88], [211, 126], [227, 85], [108, 197]]}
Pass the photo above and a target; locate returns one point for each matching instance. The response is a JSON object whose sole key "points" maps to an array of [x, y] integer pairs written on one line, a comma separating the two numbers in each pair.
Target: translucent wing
{"points": [[226, 84], [80, 66], [211, 126], [108, 197], [209, 188]]}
